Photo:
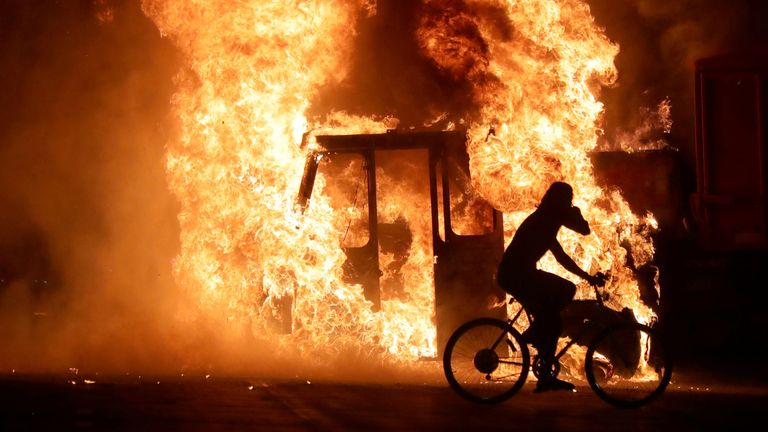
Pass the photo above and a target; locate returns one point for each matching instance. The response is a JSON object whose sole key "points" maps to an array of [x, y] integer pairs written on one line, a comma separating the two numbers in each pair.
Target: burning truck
{"points": [[404, 229], [465, 232]]}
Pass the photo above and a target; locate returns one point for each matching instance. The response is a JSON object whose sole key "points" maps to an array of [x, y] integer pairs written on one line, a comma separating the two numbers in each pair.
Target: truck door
{"points": [[351, 184], [468, 239]]}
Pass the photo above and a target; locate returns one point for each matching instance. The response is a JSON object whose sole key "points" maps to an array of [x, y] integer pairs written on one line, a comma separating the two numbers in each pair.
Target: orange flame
{"points": [[253, 68]]}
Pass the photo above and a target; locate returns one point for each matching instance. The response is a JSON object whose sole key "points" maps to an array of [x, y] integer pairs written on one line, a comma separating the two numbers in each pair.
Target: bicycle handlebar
{"points": [[599, 281]]}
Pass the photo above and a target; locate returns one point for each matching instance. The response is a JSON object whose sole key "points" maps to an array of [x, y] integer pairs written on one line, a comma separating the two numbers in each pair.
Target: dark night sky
{"points": [[84, 115]]}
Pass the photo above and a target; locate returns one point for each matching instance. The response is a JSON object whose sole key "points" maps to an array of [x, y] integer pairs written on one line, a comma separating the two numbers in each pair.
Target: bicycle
{"points": [[486, 360]]}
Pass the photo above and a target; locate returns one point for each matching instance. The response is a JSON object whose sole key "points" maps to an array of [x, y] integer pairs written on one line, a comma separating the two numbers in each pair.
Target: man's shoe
{"points": [[553, 384]]}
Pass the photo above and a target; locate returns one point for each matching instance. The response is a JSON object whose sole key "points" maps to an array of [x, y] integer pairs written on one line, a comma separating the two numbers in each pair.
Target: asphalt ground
{"points": [[60, 402]]}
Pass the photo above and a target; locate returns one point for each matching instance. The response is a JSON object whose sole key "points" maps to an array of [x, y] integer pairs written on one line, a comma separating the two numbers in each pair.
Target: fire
{"points": [[648, 136], [249, 256]]}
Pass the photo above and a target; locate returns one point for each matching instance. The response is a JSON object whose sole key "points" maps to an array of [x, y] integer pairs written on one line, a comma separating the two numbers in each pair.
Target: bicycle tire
{"points": [[485, 361], [628, 365]]}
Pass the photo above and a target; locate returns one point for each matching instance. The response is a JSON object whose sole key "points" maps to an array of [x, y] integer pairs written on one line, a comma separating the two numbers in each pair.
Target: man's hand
{"points": [[572, 219], [598, 279]]}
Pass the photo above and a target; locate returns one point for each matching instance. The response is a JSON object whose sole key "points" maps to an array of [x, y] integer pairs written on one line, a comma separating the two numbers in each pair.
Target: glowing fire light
{"points": [[253, 67]]}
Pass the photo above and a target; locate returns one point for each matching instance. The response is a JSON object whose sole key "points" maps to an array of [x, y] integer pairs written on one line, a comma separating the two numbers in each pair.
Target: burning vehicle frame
{"points": [[464, 264]]}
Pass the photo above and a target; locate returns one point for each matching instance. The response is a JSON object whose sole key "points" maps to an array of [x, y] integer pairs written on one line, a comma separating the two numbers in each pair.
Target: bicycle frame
{"points": [[512, 321], [571, 340]]}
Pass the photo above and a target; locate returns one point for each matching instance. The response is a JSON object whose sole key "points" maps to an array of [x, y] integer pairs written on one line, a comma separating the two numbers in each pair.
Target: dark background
{"points": [[88, 228]]}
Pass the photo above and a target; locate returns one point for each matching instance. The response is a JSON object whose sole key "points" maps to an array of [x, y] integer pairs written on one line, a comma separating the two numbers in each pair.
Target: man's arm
{"points": [[573, 220], [567, 262]]}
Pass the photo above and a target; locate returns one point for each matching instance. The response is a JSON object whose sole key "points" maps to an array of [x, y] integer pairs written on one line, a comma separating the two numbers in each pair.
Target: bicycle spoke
{"points": [[627, 365], [515, 363], [505, 377], [483, 362]]}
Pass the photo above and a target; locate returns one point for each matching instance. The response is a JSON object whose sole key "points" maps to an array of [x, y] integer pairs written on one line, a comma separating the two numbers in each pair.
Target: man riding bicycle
{"points": [[544, 295]]}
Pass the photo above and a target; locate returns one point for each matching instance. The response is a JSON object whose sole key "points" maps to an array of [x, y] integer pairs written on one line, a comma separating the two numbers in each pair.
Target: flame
{"points": [[649, 134], [538, 86], [535, 69]]}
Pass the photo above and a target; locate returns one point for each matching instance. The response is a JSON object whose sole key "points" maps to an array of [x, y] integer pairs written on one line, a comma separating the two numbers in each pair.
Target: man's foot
{"points": [[553, 384]]}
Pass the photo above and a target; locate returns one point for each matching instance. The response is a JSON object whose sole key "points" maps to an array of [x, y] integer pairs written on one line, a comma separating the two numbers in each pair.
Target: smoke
{"points": [[660, 42], [88, 228], [392, 75]]}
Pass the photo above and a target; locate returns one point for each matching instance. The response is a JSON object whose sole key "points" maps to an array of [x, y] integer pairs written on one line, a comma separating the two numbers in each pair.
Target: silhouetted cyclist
{"points": [[544, 295]]}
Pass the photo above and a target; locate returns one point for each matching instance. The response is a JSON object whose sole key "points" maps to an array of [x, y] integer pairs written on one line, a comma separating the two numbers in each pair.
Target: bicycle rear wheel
{"points": [[627, 365], [485, 362]]}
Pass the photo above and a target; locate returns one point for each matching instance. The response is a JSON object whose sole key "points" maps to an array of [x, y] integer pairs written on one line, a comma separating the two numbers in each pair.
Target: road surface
{"points": [[196, 402]]}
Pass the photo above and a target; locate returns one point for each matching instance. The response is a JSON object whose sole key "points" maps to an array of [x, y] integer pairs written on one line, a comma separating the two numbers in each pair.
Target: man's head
{"points": [[559, 199]]}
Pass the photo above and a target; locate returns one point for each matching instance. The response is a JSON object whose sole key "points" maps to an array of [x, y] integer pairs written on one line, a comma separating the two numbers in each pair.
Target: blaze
{"points": [[251, 258]]}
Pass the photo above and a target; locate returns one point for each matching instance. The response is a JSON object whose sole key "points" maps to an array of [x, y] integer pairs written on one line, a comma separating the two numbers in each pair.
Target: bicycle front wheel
{"points": [[627, 365], [485, 362]]}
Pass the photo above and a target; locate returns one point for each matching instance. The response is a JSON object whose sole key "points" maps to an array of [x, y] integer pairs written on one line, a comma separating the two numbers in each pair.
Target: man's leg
{"points": [[555, 294], [552, 295]]}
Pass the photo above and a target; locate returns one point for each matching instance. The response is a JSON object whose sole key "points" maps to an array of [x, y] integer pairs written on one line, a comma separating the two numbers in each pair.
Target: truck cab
{"points": [[466, 232]]}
